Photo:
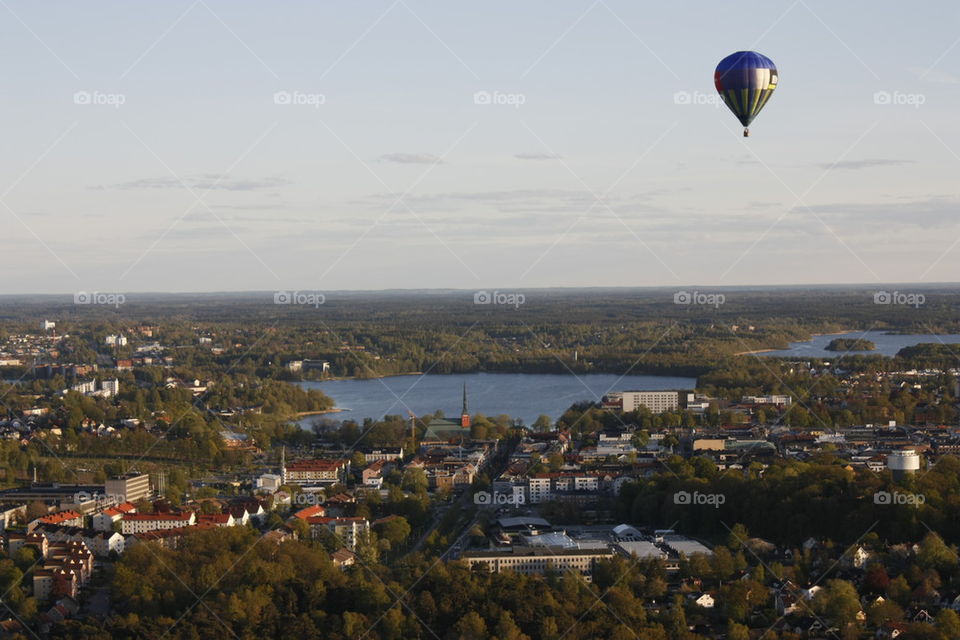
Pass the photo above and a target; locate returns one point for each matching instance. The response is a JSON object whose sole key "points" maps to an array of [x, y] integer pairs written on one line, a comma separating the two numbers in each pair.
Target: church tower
{"points": [[465, 414]]}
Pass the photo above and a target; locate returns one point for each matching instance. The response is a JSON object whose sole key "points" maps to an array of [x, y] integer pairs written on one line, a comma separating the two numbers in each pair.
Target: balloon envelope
{"points": [[745, 81]]}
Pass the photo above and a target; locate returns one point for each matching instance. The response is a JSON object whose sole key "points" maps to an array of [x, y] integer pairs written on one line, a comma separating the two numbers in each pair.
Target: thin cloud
{"points": [[866, 163], [537, 156], [934, 76], [204, 182], [410, 158]]}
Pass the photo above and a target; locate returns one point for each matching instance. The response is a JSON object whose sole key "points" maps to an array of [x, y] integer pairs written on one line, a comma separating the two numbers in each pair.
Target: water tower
{"points": [[902, 463]]}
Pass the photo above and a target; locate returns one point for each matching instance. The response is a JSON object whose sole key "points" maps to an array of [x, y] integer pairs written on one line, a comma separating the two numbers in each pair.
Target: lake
{"points": [[888, 344], [519, 395]]}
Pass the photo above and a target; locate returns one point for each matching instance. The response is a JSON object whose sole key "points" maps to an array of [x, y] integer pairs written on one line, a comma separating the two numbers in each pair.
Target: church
{"points": [[443, 431]]}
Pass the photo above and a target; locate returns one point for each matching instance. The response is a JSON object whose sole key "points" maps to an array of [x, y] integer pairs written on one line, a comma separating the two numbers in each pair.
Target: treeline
{"points": [[251, 588], [790, 501]]}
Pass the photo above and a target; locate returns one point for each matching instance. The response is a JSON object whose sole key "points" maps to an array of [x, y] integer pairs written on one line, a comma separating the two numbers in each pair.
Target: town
{"points": [[814, 501]]}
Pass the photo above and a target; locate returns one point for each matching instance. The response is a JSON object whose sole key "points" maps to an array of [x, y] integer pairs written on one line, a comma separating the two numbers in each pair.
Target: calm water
{"points": [[520, 395], [887, 344]]}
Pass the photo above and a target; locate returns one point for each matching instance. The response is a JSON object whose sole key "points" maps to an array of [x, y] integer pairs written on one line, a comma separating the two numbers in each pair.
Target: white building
{"points": [[270, 482], [655, 401], [110, 388], [144, 522], [46, 325], [778, 400], [536, 561]]}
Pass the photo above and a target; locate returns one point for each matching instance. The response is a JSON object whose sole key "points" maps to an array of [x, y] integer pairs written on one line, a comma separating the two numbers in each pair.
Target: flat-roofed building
{"points": [[130, 487], [655, 401], [642, 549], [537, 561], [685, 546]]}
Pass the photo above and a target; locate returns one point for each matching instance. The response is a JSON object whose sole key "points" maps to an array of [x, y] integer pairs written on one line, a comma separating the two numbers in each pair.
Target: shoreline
{"points": [[787, 348], [304, 414]]}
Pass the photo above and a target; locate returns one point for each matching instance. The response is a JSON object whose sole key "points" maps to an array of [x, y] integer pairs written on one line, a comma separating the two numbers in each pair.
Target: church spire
{"points": [[465, 414]]}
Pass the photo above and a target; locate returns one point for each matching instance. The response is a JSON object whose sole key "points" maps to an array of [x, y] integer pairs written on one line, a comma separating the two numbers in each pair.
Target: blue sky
{"points": [[201, 146]]}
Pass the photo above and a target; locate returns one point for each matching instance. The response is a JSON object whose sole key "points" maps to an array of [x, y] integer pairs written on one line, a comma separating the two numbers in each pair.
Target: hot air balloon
{"points": [[745, 81]]}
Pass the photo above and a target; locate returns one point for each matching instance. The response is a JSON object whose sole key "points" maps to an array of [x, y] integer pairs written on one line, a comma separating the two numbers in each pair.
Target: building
{"points": [[270, 482], [383, 454], [903, 462], [544, 487], [780, 400], [146, 522], [10, 516], [109, 388], [217, 520], [104, 520], [315, 365], [313, 472], [654, 401], [47, 325], [537, 561], [115, 340], [348, 531], [67, 518], [130, 487], [685, 546], [343, 558]]}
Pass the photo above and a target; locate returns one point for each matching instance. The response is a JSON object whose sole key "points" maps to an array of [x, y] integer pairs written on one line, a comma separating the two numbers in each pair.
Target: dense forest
{"points": [[375, 334]]}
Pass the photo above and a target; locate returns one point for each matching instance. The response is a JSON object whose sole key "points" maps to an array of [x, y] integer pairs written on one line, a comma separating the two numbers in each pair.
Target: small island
{"points": [[850, 344]]}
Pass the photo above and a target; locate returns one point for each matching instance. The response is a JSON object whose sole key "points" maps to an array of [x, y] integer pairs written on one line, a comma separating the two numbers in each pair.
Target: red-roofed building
{"points": [[216, 520], [314, 511], [311, 472], [67, 518], [145, 522], [104, 520]]}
